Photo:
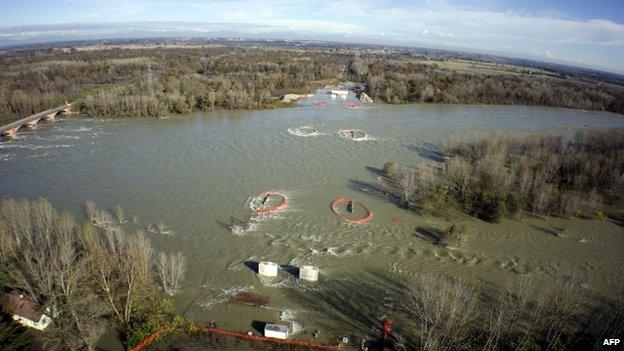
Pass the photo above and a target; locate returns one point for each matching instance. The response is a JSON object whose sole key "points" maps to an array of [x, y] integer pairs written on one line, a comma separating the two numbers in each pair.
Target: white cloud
{"points": [[427, 16], [458, 24], [507, 24]]}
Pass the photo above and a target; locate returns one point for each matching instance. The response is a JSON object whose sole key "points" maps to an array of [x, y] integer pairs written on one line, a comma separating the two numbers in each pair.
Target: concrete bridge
{"points": [[9, 130]]}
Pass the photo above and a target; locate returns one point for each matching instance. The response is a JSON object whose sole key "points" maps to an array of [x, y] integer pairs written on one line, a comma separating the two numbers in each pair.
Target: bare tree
{"points": [[541, 313], [171, 269], [120, 214], [407, 186], [458, 172], [48, 261], [91, 210], [122, 270], [443, 311]]}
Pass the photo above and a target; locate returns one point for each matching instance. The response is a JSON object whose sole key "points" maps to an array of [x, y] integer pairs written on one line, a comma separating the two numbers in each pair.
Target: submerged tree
{"points": [[505, 174], [171, 269], [88, 276], [443, 311], [47, 258]]}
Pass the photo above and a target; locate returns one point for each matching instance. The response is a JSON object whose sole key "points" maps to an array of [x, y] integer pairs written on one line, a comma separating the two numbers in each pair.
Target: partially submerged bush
{"points": [[454, 234], [391, 169], [490, 206]]}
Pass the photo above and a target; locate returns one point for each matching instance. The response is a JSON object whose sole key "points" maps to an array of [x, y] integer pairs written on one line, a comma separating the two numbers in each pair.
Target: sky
{"points": [[587, 33]]}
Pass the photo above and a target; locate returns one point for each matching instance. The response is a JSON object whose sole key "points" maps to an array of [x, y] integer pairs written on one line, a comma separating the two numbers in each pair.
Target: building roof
{"points": [[276, 328], [23, 306]]}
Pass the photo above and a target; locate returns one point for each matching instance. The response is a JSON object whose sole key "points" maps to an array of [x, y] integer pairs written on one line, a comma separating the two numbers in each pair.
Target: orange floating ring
{"points": [[353, 106], [268, 210], [341, 200], [319, 103]]}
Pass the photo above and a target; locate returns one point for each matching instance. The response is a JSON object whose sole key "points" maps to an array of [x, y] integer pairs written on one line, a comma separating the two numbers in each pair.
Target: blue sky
{"points": [[584, 33]]}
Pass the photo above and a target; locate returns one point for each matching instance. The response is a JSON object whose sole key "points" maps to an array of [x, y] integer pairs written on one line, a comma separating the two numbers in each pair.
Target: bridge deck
{"points": [[39, 115]]}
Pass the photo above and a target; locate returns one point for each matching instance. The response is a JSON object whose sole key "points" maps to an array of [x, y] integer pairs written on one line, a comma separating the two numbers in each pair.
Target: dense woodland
{"points": [[506, 174], [158, 82], [398, 81], [162, 81]]}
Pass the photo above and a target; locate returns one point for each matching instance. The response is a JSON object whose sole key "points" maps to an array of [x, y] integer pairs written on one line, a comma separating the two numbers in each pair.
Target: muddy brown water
{"points": [[201, 173]]}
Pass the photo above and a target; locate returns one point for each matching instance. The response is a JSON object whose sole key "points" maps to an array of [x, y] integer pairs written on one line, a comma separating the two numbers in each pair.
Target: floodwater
{"points": [[201, 173]]}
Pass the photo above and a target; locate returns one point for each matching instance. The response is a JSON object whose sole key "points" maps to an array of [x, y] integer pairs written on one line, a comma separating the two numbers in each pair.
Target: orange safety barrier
{"points": [[239, 335], [290, 342], [353, 106], [150, 339], [387, 329], [341, 200], [268, 210]]}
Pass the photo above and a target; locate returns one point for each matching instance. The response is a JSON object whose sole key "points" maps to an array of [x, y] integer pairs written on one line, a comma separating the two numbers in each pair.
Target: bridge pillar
{"points": [[32, 124], [66, 110], [49, 117], [10, 133]]}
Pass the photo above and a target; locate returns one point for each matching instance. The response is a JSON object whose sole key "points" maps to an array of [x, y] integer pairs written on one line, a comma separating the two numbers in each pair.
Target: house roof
{"points": [[23, 306], [276, 328]]}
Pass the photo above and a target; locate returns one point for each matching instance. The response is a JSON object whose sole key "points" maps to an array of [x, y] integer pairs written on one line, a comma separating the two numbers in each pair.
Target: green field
{"points": [[489, 68]]}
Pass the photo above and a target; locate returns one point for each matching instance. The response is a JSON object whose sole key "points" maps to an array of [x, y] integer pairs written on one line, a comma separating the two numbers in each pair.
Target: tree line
{"points": [[506, 174], [94, 276], [159, 82], [395, 80], [556, 314]]}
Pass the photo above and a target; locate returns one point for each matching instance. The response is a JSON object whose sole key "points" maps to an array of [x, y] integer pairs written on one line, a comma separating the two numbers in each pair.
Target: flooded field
{"points": [[203, 175]]}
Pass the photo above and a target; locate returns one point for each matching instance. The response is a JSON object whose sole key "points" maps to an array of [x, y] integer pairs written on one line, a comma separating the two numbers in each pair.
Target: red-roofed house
{"points": [[26, 311]]}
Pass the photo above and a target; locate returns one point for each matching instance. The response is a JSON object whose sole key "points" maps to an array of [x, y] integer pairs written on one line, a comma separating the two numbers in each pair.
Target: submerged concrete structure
{"points": [[268, 269], [309, 273]]}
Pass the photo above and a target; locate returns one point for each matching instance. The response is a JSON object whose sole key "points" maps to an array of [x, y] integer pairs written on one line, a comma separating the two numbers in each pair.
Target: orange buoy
{"points": [[341, 201], [271, 209]]}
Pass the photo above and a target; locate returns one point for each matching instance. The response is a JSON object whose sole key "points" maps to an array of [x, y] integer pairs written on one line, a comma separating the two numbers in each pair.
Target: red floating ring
{"points": [[342, 200], [353, 106], [268, 210]]}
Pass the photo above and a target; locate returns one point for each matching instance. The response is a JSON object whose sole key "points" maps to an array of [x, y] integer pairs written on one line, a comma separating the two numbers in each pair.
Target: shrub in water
{"points": [[391, 169], [490, 206]]}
